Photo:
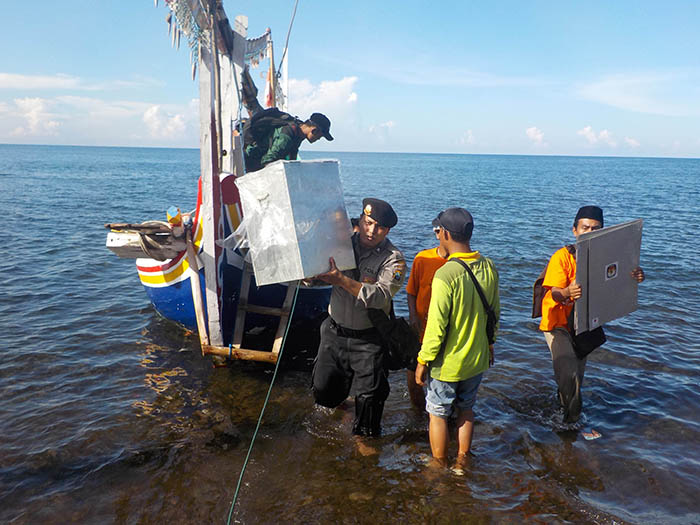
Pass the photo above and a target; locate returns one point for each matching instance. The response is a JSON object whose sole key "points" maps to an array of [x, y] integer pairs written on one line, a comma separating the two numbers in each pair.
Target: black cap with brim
{"points": [[321, 121], [455, 220], [381, 211]]}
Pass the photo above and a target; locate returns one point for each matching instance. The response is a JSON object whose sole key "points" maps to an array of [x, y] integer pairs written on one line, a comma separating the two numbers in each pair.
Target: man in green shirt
{"points": [[455, 351], [272, 135]]}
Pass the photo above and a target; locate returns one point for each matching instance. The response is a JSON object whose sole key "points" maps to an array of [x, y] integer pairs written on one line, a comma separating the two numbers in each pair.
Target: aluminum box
{"points": [[605, 260], [295, 220]]}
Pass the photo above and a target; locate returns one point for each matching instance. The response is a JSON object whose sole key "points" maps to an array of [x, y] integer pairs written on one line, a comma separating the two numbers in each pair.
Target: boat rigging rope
{"points": [[286, 43], [262, 412]]}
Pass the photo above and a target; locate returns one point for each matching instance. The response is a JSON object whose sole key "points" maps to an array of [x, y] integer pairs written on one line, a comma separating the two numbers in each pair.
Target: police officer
{"points": [[350, 357]]}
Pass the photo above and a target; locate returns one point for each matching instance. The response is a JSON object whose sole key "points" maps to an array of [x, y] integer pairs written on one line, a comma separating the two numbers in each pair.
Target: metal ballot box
{"points": [[604, 262], [295, 219]]}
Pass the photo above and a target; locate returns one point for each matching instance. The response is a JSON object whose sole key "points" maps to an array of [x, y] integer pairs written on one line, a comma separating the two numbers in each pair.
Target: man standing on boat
{"points": [[272, 135], [350, 356]]}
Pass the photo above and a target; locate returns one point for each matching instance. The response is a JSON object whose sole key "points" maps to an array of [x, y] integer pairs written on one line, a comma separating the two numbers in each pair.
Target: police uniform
{"points": [[350, 357]]}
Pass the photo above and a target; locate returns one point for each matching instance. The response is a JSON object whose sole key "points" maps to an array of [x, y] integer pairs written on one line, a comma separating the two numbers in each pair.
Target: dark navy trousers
{"points": [[352, 364]]}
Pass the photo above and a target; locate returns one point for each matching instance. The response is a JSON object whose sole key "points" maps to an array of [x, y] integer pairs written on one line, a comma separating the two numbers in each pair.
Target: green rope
{"points": [[262, 412]]}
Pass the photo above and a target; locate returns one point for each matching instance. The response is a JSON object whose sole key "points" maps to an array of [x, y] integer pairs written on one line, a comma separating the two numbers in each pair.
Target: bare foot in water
{"points": [[461, 464], [437, 463], [363, 448]]}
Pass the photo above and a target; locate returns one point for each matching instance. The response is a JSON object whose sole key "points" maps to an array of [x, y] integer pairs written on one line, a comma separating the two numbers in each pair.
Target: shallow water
{"points": [[111, 414]]}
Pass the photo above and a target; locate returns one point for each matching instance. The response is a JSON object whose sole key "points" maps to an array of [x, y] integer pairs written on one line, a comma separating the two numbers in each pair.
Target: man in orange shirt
{"points": [[557, 305], [418, 289]]}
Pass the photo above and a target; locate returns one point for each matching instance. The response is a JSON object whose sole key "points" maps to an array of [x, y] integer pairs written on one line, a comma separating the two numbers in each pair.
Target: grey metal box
{"points": [[605, 260], [295, 220]]}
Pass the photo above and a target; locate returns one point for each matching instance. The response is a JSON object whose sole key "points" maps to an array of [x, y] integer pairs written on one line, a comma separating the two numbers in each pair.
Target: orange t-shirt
{"points": [[561, 272], [423, 269]]}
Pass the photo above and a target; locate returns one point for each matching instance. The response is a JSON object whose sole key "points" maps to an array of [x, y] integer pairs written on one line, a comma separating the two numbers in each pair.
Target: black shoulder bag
{"points": [[401, 343], [585, 342], [491, 318]]}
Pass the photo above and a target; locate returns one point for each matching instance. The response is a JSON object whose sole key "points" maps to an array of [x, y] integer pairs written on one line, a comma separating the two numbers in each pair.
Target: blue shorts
{"points": [[443, 396]]}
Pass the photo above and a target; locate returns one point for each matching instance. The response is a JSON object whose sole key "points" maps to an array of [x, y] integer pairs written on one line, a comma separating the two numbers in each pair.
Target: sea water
{"points": [[111, 414]]}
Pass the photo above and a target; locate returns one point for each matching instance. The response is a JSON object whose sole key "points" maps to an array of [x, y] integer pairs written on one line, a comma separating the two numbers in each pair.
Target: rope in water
{"points": [[262, 412]]}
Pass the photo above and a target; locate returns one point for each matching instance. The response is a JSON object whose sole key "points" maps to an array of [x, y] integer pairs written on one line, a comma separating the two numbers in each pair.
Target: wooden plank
{"points": [[229, 104], [129, 245], [211, 193], [143, 228], [237, 60], [196, 293], [242, 305], [284, 318], [266, 310], [241, 353]]}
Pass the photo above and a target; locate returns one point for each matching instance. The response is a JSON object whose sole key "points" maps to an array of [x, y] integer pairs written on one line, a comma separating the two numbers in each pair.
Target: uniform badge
{"points": [[397, 275], [368, 210]]}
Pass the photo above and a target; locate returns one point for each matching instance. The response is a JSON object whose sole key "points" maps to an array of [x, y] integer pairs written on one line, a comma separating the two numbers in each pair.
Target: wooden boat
{"points": [[189, 276]]}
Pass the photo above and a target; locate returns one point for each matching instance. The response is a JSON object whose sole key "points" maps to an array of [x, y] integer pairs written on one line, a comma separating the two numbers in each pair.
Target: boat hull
{"points": [[168, 284]]}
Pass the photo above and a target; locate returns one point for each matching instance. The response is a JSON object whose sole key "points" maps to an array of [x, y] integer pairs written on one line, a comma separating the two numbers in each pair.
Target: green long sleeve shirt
{"points": [[280, 143], [455, 345]]}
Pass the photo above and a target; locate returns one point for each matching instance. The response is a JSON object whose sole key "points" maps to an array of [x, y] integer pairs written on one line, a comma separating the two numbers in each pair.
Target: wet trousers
{"points": [[568, 372], [346, 365]]}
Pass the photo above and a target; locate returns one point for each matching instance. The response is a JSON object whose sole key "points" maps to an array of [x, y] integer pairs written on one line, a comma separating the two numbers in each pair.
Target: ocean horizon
{"points": [[315, 152]]}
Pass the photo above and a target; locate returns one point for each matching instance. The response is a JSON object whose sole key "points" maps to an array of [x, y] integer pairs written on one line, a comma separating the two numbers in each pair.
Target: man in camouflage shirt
{"points": [[278, 136]]}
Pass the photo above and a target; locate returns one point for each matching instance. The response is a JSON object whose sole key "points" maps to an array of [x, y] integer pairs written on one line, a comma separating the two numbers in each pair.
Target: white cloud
{"points": [[68, 82], [381, 132], [589, 134], [632, 143], [103, 109], [536, 136], [73, 119], [384, 125], [335, 98], [27, 82], [162, 125], [670, 93], [467, 138], [604, 137], [35, 118]]}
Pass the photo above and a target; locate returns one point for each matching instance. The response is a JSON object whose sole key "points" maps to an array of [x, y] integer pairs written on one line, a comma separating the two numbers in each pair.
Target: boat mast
{"points": [[218, 102]]}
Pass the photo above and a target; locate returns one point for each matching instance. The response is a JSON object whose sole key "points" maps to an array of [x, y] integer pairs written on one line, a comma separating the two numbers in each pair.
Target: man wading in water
{"points": [[557, 305], [456, 350], [351, 355]]}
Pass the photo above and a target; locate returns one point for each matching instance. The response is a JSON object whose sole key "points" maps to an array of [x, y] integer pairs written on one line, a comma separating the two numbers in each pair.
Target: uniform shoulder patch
{"points": [[399, 269]]}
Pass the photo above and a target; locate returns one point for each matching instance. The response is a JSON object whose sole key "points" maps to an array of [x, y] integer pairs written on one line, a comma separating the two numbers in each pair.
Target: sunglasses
{"points": [[436, 230]]}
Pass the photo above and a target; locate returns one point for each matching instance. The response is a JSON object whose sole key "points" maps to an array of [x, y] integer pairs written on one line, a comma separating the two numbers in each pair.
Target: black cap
{"points": [[589, 212], [455, 220], [322, 122], [381, 211]]}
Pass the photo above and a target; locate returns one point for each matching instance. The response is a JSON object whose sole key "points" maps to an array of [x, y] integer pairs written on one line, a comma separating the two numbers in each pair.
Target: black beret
{"points": [[589, 212], [381, 211]]}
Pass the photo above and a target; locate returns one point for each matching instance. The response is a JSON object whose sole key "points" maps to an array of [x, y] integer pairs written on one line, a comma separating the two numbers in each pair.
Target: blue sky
{"points": [[520, 77]]}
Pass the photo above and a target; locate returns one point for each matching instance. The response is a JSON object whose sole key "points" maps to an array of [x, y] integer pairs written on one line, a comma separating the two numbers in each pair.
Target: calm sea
{"points": [[110, 414]]}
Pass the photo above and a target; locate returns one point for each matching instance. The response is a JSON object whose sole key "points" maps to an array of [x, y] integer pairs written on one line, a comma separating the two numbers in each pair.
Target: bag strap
{"points": [[486, 304]]}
